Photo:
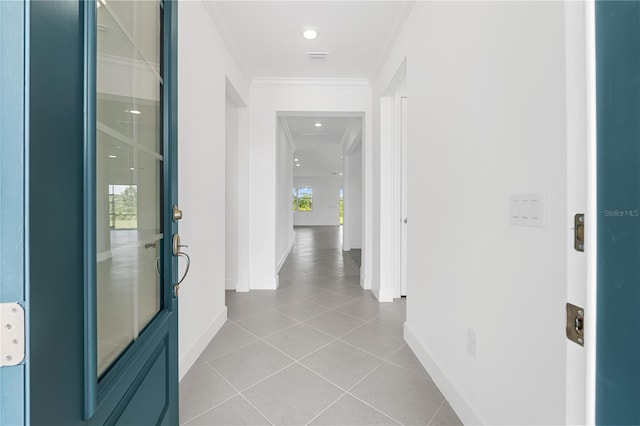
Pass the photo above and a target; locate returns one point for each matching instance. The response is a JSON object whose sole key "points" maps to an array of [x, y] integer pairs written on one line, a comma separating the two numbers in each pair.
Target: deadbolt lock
{"points": [[176, 213], [578, 232], [575, 324]]}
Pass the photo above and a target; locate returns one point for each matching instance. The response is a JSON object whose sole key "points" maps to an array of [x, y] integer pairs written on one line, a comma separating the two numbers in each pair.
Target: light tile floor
{"points": [[319, 350]]}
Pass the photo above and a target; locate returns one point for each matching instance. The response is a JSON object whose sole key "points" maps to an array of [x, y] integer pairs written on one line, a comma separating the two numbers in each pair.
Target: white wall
{"points": [[203, 64], [268, 97], [326, 201], [487, 90], [284, 183], [355, 198]]}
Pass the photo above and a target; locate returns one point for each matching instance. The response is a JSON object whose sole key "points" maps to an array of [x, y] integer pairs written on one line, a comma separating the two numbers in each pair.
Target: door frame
{"points": [[392, 227], [14, 44]]}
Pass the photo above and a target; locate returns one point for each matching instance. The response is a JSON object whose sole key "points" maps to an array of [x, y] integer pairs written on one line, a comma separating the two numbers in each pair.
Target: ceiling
{"points": [[265, 37], [319, 149]]}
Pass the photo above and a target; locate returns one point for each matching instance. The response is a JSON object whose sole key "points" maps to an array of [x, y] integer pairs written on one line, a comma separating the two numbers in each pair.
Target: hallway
{"points": [[319, 350]]}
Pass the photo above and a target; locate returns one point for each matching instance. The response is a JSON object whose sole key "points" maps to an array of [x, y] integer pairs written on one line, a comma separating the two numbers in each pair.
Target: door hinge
{"points": [[11, 334], [575, 324]]}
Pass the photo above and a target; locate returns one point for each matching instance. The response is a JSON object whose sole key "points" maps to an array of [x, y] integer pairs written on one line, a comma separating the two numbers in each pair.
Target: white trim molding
{"points": [[191, 355], [459, 404]]}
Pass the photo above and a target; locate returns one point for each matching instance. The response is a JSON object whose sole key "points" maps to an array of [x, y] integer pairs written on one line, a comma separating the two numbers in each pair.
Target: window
{"points": [[123, 206], [303, 199], [294, 194]]}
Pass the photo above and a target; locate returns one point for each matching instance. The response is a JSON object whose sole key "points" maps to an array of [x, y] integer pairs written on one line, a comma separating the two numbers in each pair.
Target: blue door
{"points": [[102, 187], [618, 142]]}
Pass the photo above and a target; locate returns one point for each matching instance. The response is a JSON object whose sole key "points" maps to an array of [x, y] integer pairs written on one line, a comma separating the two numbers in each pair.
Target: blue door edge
{"points": [[618, 221], [89, 126], [14, 66]]}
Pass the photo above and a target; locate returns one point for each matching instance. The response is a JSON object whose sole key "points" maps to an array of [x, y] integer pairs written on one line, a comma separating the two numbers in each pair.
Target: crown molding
{"points": [[223, 31], [401, 20], [287, 132]]}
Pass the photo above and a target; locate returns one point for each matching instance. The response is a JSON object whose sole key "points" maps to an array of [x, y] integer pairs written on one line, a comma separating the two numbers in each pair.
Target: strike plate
{"points": [[578, 232], [575, 324], [11, 334]]}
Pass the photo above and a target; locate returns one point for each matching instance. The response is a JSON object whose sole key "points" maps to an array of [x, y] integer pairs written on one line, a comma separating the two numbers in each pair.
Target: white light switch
{"points": [[514, 210], [527, 209]]}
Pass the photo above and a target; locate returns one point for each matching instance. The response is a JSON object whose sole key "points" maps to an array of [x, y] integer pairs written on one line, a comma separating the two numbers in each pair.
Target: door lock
{"points": [[575, 324], [176, 213]]}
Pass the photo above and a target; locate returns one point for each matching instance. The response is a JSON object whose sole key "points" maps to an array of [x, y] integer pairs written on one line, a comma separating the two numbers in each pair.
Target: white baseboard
{"points": [[284, 257], [230, 284], [382, 296], [364, 282], [265, 285], [462, 408], [242, 286], [191, 355]]}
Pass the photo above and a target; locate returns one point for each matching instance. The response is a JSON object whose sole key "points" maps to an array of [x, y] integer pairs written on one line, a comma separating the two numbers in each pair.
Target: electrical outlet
{"points": [[472, 342]]}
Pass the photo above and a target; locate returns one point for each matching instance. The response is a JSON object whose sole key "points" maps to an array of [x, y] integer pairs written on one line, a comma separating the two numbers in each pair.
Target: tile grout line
{"points": [[388, 360], [243, 397], [437, 411], [428, 379], [230, 352], [375, 408], [215, 405], [365, 402], [325, 409]]}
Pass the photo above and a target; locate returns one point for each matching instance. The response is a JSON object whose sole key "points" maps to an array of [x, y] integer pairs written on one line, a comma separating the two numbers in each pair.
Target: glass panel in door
{"points": [[129, 173]]}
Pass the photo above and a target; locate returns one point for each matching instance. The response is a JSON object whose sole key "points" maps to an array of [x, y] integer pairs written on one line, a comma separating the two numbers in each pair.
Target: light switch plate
{"points": [[527, 209]]}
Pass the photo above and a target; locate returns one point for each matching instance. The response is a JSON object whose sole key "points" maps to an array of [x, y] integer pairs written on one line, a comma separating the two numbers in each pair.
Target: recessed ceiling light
{"points": [[340, 174], [309, 34], [298, 165], [318, 124], [132, 168], [134, 112], [113, 156], [295, 159]]}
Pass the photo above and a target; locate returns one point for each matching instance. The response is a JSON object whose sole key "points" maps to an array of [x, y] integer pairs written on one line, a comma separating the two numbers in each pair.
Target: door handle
{"points": [[177, 251]]}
